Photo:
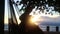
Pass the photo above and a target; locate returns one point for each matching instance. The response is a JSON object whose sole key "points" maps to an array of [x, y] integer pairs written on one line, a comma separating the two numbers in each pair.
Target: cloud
{"points": [[50, 21]]}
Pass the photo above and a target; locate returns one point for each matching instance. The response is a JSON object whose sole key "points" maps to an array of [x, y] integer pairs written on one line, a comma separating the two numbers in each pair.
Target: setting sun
{"points": [[36, 19]]}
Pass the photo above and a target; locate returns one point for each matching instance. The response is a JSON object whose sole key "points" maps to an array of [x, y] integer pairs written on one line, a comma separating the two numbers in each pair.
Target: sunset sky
{"points": [[45, 18]]}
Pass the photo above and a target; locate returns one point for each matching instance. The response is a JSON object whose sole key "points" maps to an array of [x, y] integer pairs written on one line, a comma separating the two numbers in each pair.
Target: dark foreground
{"points": [[6, 32], [52, 32]]}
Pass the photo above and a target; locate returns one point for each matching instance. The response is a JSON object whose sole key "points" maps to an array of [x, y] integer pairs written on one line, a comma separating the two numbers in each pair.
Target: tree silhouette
{"points": [[29, 5], [55, 3], [25, 27]]}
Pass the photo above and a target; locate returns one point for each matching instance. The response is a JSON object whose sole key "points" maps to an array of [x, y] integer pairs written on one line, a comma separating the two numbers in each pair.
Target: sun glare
{"points": [[36, 19], [37, 14]]}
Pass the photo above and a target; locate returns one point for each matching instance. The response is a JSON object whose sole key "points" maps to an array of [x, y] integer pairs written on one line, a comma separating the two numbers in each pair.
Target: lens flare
{"points": [[36, 19]]}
